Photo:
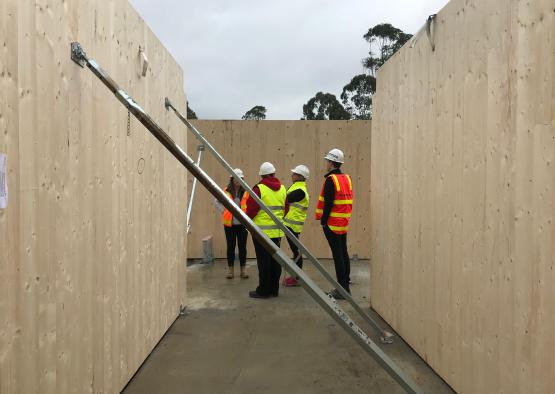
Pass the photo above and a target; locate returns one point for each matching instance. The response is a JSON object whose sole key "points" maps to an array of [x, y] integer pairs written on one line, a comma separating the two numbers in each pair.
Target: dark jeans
{"points": [[269, 270], [295, 249], [338, 245], [236, 234]]}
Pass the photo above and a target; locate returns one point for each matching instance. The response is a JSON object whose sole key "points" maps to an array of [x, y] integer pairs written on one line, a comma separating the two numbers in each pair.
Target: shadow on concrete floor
{"points": [[229, 343]]}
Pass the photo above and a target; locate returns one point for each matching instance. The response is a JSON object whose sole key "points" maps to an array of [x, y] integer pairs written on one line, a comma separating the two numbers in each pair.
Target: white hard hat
{"points": [[335, 155], [239, 172], [267, 169], [302, 170]]}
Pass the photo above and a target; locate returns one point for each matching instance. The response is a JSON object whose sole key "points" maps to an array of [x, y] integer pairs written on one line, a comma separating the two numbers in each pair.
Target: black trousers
{"points": [[338, 245], [236, 235], [295, 249], [269, 270]]}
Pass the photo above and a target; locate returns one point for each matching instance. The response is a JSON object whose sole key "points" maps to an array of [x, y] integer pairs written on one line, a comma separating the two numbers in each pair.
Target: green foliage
{"points": [[357, 96], [387, 40], [190, 113], [257, 112], [324, 106]]}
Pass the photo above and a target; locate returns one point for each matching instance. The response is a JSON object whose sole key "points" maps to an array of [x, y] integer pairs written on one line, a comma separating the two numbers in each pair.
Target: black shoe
{"points": [[335, 294], [254, 294], [274, 294]]}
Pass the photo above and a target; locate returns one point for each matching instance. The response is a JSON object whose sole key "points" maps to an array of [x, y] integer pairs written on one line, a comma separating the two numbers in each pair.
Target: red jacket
{"points": [[252, 206]]}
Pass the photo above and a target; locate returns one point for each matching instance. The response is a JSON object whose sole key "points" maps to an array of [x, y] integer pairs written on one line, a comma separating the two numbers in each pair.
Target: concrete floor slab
{"points": [[229, 343]]}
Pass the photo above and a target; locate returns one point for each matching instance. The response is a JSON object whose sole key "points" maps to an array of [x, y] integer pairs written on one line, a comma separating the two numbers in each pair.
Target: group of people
{"points": [[333, 211]]}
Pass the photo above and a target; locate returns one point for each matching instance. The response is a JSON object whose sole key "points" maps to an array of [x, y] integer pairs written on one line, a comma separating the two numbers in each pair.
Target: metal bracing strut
{"points": [[327, 303], [385, 336], [200, 149]]}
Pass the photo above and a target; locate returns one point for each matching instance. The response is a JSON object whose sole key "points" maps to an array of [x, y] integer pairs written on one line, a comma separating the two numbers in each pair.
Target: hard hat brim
{"points": [[333, 161]]}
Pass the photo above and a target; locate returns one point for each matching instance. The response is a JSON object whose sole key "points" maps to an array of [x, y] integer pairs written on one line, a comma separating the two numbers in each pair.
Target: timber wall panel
{"points": [[92, 246], [463, 192], [247, 144]]}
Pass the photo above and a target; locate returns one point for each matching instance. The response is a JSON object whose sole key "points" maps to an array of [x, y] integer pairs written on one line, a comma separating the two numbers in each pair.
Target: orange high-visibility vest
{"points": [[340, 214], [227, 216]]}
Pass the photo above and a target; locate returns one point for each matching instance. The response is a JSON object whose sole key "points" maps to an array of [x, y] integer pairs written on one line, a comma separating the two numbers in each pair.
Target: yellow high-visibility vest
{"points": [[275, 200], [296, 216]]}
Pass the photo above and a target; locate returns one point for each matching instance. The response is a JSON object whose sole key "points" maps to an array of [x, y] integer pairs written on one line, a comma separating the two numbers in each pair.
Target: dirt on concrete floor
{"points": [[229, 343]]}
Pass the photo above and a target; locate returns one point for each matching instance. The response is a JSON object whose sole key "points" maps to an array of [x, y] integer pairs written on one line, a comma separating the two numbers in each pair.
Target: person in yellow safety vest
{"points": [[334, 208], [273, 194], [295, 217], [235, 232]]}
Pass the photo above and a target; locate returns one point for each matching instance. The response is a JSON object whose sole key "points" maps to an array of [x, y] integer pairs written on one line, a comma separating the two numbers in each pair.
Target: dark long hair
{"points": [[231, 189]]}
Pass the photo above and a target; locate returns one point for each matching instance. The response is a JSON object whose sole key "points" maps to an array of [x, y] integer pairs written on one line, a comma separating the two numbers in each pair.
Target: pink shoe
{"points": [[290, 282]]}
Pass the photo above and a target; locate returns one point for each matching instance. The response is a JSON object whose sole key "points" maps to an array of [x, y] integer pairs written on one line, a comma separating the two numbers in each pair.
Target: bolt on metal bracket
{"points": [[387, 337]]}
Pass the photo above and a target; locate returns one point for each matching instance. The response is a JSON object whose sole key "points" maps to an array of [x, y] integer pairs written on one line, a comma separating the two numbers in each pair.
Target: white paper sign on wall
{"points": [[3, 181]]}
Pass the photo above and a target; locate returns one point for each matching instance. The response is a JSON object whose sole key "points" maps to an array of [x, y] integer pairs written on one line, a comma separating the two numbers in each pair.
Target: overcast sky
{"points": [[241, 53]]}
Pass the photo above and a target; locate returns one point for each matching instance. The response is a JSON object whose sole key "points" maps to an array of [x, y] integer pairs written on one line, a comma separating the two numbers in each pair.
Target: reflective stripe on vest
{"points": [[227, 216], [275, 200], [338, 230], [296, 216], [337, 202], [340, 214]]}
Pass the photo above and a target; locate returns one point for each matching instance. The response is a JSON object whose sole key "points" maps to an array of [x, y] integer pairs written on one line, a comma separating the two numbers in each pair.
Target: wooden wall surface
{"points": [[247, 144], [463, 196], [92, 246]]}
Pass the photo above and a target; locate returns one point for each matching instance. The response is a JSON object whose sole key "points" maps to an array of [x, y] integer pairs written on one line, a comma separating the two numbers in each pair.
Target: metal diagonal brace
{"points": [[329, 305], [200, 149], [386, 337]]}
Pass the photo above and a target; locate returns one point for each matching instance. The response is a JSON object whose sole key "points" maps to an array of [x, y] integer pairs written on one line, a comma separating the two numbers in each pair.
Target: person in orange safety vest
{"points": [[334, 209], [235, 232]]}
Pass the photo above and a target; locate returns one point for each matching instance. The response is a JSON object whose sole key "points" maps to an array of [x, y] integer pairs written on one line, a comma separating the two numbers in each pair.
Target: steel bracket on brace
{"points": [[429, 31], [183, 310], [168, 104], [78, 55]]}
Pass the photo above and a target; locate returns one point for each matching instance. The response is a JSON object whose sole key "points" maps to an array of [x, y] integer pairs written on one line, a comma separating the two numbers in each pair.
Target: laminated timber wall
{"points": [[247, 144], [91, 243], [463, 196]]}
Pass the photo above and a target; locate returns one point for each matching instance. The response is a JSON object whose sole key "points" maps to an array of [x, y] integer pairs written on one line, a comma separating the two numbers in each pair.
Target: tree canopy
{"points": [[386, 40], [357, 96], [190, 113], [258, 112], [324, 106]]}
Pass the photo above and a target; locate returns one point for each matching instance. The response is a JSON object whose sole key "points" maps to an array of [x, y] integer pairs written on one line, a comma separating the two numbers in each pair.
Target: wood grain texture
{"points": [[92, 247], [247, 144], [462, 211]]}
